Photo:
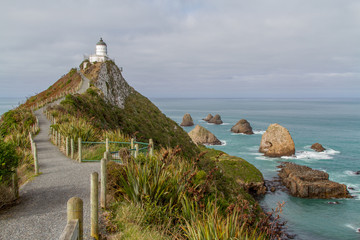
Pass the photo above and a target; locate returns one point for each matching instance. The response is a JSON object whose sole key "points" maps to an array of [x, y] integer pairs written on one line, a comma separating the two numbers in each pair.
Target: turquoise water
{"points": [[333, 123]]}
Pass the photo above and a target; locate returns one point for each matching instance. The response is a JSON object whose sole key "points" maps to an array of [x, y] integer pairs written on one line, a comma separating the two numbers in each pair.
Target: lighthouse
{"points": [[100, 52]]}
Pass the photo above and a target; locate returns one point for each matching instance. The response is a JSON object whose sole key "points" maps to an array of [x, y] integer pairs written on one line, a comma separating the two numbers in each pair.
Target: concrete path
{"points": [[41, 213]]}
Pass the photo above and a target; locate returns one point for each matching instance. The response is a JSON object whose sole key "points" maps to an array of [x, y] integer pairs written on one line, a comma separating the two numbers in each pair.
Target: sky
{"points": [[188, 48]]}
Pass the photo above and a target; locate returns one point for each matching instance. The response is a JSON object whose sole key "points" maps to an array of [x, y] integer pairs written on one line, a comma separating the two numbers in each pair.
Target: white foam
{"points": [[351, 226], [237, 134], [259, 132], [263, 158], [225, 124], [350, 173], [223, 142], [311, 155]]}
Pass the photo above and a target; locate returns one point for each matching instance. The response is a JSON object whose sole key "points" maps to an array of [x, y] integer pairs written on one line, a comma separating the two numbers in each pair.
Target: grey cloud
{"points": [[189, 48]]}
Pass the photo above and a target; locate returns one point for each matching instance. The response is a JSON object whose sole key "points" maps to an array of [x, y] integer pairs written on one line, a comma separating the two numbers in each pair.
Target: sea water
{"points": [[7, 104], [335, 123]]}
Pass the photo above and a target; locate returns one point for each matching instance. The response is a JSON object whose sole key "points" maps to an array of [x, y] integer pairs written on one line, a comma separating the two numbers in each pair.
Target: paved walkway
{"points": [[41, 213]]}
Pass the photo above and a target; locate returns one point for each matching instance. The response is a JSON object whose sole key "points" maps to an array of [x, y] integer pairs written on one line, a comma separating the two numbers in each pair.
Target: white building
{"points": [[100, 52]]}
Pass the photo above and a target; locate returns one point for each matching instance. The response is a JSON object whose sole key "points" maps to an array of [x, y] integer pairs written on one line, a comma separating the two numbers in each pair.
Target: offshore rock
{"points": [[216, 119], [203, 136], [277, 142], [208, 117], [242, 126], [318, 147], [113, 85], [305, 182], [187, 121]]}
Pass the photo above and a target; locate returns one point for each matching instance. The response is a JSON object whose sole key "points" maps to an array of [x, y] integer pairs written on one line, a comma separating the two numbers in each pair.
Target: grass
{"points": [[67, 82], [15, 150], [182, 200]]}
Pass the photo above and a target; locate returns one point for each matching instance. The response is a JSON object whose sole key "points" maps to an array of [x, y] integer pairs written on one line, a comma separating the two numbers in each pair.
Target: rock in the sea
{"points": [[318, 147], [203, 136], [187, 121], [208, 117], [242, 126], [305, 182], [277, 142], [216, 119]]}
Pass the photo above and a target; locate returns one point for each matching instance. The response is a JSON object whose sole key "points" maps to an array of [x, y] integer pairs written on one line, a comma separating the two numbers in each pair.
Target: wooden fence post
{"points": [[132, 147], [56, 138], [59, 141], [15, 184], [72, 148], [103, 184], [36, 164], [67, 146], [151, 143], [75, 211], [107, 145], [79, 151], [94, 201], [136, 150]]}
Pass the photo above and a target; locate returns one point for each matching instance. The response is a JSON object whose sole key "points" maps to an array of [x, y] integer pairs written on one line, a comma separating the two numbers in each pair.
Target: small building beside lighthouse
{"points": [[100, 52]]}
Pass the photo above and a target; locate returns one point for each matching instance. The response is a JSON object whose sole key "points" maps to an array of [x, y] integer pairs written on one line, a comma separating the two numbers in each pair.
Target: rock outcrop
{"points": [[277, 142], [112, 84], [208, 117], [242, 126], [318, 147], [203, 136], [216, 119], [187, 121], [305, 182]]}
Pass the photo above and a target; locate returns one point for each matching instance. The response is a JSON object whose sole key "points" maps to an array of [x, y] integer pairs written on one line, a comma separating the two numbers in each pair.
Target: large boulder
{"points": [[216, 119], [187, 121], [242, 126], [203, 136], [318, 147], [208, 117], [305, 182], [277, 142]]}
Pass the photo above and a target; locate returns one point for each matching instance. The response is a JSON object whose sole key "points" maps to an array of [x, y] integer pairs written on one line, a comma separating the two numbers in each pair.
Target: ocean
{"points": [[335, 123], [9, 103]]}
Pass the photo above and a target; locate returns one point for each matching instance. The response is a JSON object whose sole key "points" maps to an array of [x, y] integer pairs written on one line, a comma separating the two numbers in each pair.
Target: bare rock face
{"points": [[277, 142], [216, 119], [208, 117], [318, 147], [187, 121], [242, 126], [112, 84], [203, 136], [305, 182]]}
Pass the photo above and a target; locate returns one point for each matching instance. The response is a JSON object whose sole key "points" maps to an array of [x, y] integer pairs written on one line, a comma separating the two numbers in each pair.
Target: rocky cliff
{"points": [[112, 84], [305, 182]]}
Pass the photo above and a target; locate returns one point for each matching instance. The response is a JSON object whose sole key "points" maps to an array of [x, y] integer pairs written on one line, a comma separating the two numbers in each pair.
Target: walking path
{"points": [[41, 213]]}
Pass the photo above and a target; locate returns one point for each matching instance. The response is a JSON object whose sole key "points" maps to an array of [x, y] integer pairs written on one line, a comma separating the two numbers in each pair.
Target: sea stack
{"points": [[305, 182], [242, 126], [187, 121], [203, 136], [277, 142], [216, 119], [318, 147], [208, 117]]}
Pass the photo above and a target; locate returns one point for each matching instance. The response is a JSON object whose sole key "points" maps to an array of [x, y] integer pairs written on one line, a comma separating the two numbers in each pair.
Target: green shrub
{"points": [[8, 160]]}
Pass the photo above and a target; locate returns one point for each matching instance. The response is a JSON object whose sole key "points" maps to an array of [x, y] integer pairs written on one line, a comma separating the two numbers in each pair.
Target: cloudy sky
{"points": [[188, 48]]}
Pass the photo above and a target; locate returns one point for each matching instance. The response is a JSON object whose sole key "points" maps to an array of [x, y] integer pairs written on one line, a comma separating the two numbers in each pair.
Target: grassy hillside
{"points": [[66, 83]]}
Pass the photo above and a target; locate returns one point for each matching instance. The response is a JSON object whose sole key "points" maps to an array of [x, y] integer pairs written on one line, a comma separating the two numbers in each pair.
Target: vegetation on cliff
{"points": [[15, 150], [183, 192]]}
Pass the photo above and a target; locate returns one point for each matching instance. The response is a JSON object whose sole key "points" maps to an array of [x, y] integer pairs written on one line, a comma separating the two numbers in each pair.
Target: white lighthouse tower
{"points": [[100, 52]]}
